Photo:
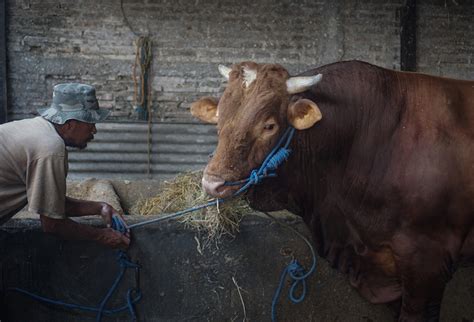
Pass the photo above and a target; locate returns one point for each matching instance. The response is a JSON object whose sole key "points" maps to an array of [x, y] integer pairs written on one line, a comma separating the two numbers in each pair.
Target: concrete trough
{"points": [[234, 280]]}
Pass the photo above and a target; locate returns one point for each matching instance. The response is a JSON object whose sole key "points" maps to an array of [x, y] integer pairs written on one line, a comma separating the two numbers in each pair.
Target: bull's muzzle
{"points": [[212, 185], [217, 187]]}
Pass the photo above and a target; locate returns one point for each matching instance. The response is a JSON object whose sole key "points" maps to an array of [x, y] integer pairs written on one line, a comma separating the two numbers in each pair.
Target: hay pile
{"points": [[184, 192]]}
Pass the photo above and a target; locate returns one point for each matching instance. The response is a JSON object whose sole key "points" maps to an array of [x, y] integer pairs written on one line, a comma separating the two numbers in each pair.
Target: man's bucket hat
{"points": [[74, 101]]}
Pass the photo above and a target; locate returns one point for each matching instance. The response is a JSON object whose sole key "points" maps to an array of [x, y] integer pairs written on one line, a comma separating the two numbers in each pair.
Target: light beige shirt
{"points": [[33, 169]]}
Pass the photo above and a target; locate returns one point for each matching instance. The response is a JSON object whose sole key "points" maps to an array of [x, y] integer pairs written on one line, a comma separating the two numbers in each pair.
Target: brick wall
{"points": [[446, 38], [88, 41]]}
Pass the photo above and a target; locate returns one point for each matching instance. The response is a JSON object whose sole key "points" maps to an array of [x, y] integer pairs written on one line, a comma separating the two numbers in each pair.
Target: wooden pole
{"points": [[3, 63], [408, 36]]}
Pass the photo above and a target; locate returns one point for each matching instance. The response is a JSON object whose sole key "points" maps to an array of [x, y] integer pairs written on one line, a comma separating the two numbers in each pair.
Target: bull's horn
{"points": [[225, 71], [299, 84], [249, 76]]}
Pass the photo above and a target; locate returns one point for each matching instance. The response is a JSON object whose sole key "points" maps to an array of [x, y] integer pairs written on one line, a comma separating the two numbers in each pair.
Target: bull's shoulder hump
{"points": [[342, 67]]}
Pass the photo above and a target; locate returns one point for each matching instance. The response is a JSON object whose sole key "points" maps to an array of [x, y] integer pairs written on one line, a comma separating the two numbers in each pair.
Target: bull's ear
{"points": [[303, 114], [205, 109]]}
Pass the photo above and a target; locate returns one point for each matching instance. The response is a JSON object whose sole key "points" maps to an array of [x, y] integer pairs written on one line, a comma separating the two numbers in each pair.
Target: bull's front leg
{"points": [[421, 295], [426, 266]]}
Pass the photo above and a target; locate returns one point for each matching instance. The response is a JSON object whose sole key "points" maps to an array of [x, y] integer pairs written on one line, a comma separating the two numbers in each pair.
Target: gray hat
{"points": [[74, 101]]}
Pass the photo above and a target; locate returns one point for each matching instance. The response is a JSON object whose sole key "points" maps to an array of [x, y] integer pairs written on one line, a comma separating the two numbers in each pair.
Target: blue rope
{"points": [[277, 156], [124, 263], [133, 294], [298, 275], [176, 214], [295, 271], [76, 306]]}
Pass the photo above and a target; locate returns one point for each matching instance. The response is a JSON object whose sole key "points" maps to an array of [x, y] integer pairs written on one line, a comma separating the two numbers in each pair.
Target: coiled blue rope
{"points": [[296, 272], [133, 294], [298, 276]]}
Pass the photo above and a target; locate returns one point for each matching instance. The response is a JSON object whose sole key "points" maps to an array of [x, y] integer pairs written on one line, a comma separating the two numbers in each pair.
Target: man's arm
{"points": [[69, 229], [79, 208]]}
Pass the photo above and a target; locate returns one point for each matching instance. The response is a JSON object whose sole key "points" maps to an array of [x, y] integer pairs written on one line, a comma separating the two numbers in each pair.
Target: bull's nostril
{"points": [[212, 185]]}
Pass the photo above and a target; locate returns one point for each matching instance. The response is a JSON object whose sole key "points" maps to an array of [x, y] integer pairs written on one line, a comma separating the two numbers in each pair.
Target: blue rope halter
{"points": [[277, 156]]}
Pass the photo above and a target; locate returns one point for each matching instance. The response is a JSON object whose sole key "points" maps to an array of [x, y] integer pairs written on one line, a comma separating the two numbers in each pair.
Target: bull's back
{"points": [[422, 125], [443, 101], [441, 111]]}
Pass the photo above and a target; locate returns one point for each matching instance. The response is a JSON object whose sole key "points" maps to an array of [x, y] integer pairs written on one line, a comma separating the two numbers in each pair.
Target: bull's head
{"points": [[255, 109]]}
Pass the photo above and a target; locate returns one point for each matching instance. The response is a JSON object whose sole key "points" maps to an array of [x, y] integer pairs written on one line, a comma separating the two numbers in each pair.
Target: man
{"points": [[34, 165]]}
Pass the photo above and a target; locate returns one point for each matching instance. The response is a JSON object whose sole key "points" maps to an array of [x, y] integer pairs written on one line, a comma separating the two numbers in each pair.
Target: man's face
{"points": [[79, 134]]}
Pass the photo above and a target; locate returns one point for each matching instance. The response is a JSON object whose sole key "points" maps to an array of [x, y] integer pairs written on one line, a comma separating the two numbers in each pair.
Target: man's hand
{"points": [[69, 229], [108, 236], [107, 212], [115, 239]]}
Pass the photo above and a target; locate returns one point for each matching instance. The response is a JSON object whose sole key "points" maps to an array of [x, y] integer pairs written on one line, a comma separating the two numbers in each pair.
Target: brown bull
{"points": [[381, 170]]}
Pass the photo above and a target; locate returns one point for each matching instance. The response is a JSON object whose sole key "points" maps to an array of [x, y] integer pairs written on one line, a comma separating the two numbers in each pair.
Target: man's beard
{"points": [[76, 145]]}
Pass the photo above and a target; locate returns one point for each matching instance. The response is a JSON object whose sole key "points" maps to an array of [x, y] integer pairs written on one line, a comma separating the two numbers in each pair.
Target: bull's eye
{"points": [[269, 127]]}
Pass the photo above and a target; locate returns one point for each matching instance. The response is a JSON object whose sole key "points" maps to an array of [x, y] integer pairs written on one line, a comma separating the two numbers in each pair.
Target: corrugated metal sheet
{"points": [[120, 151]]}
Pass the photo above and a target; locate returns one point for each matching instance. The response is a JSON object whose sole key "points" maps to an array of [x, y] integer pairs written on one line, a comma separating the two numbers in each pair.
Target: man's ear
{"points": [[70, 124], [64, 130], [303, 114], [205, 109]]}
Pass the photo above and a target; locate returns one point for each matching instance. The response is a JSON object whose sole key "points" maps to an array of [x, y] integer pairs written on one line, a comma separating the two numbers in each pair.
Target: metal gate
{"points": [[122, 151]]}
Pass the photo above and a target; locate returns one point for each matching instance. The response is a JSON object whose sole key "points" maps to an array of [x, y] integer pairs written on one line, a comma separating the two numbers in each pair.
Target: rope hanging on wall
{"points": [[142, 87], [142, 83]]}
